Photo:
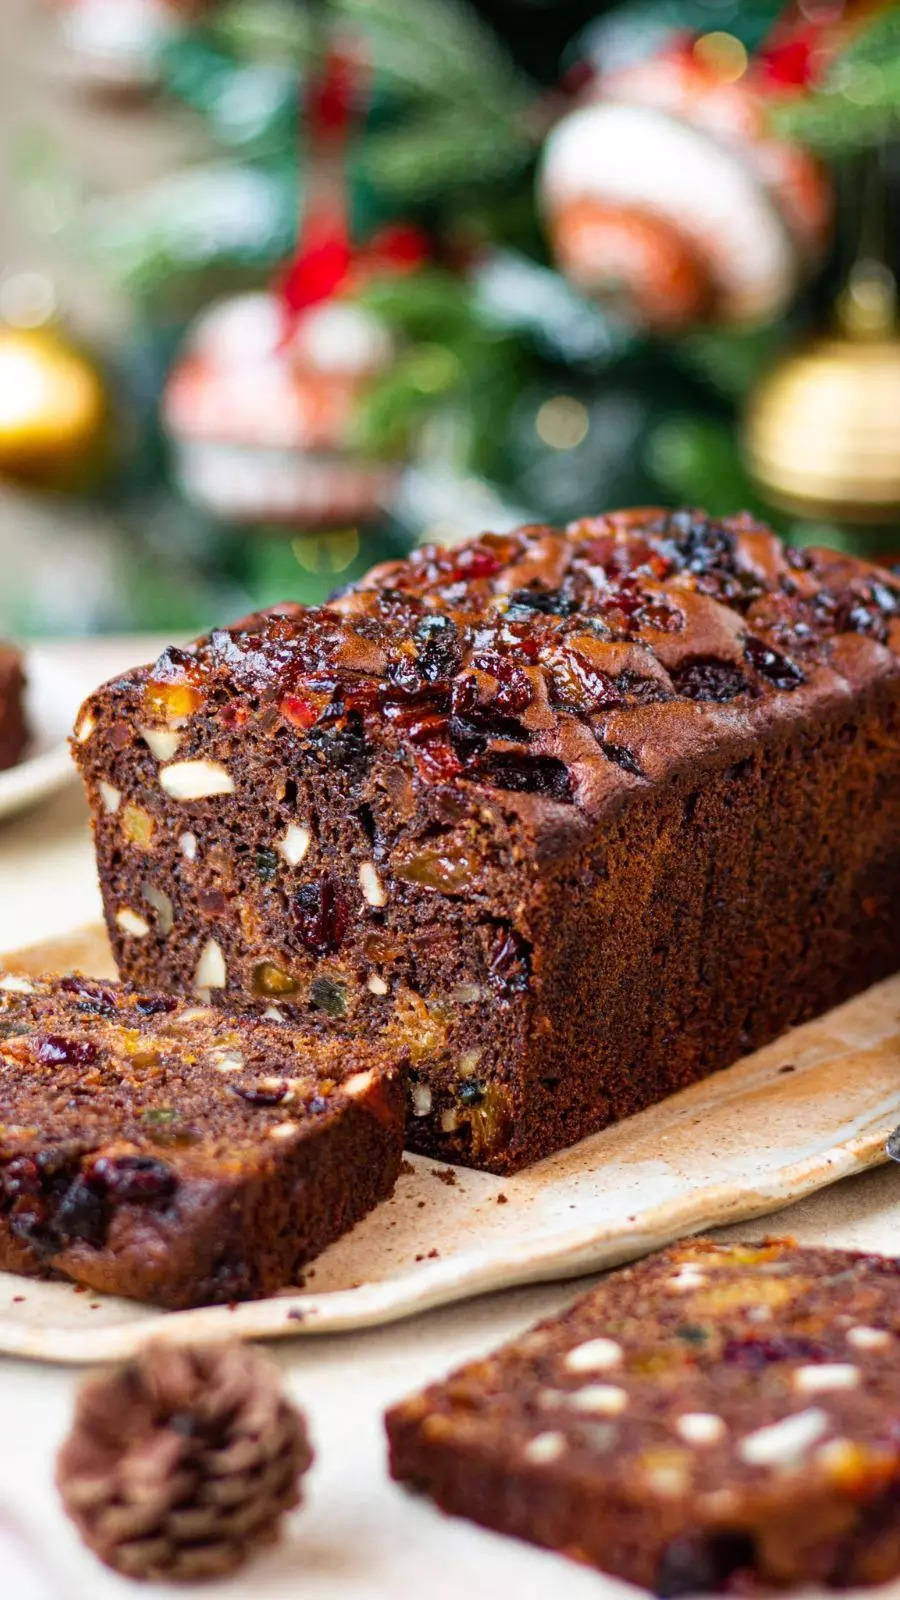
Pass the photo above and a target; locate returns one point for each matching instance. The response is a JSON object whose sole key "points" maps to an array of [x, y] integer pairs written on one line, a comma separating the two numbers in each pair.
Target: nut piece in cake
{"points": [[178, 1153], [716, 1417]]}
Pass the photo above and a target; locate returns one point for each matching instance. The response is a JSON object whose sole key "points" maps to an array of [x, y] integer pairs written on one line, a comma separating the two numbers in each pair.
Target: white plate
{"points": [[812, 1108], [52, 698]]}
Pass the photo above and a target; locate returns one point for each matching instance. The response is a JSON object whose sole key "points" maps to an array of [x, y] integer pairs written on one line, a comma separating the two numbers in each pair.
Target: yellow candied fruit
{"points": [[667, 1471], [490, 1119], [271, 980], [171, 702], [417, 1027], [138, 826], [851, 1466], [749, 1291]]}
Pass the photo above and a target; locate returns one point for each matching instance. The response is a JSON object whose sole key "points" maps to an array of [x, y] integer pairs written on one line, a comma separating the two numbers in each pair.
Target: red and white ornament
{"points": [[667, 192], [112, 45], [259, 411]]}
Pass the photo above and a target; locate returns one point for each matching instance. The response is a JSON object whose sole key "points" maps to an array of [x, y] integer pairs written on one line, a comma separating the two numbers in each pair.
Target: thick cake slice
{"points": [[12, 713], [714, 1417], [576, 817], [179, 1154]]}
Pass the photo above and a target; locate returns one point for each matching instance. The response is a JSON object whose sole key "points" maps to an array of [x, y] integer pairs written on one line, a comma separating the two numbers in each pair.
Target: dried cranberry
{"points": [[755, 1354], [778, 669], [321, 915], [21, 1176], [472, 563], [132, 1178], [708, 678], [155, 1005], [510, 963], [659, 614], [700, 1563], [438, 762], [514, 690], [258, 1096], [92, 998], [55, 1050]]}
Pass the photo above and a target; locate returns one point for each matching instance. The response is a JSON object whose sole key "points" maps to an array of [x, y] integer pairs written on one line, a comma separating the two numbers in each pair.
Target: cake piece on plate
{"points": [[576, 817], [13, 732], [176, 1153], [716, 1416]]}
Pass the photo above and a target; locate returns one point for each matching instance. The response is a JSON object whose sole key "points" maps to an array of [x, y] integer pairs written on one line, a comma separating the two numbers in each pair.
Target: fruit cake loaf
{"points": [[577, 817], [176, 1153], [12, 711], [718, 1416]]}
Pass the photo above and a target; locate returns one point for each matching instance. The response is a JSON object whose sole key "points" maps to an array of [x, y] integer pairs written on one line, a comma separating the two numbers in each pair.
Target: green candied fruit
{"points": [[266, 864], [329, 996], [270, 980], [158, 1116]]}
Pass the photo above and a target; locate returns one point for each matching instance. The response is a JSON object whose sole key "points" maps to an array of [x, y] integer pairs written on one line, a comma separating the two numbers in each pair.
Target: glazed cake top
{"points": [[563, 663]]}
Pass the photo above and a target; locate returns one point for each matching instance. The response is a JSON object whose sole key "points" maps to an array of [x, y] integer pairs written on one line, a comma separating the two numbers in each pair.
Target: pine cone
{"points": [[180, 1462]]}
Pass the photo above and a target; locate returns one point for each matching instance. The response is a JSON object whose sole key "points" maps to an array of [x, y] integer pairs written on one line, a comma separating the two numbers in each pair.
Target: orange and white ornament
{"points": [[666, 193]]}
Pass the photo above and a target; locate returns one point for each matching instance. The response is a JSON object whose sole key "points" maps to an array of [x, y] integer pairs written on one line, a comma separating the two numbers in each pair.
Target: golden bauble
{"points": [[53, 409], [822, 432]]}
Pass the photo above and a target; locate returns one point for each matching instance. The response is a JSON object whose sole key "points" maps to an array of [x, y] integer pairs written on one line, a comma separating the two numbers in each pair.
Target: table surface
{"points": [[357, 1536]]}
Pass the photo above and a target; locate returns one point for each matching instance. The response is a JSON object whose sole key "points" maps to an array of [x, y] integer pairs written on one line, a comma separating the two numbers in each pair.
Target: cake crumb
{"points": [[502, 1200], [446, 1175], [407, 1170]]}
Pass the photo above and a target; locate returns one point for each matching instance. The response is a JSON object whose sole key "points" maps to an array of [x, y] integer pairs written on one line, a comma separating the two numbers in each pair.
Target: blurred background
{"points": [[288, 287]]}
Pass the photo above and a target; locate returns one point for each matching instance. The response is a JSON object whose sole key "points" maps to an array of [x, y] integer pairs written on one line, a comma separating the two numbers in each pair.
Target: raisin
{"points": [[470, 1094], [708, 678], [82, 1213], [510, 963], [700, 1563], [528, 774], [622, 757], [55, 1050], [343, 746], [321, 916], [440, 652], [256, 1095], [266, 864], [692, 542], [549, 602], [329, 996], [778, 669], [132, 1179]]}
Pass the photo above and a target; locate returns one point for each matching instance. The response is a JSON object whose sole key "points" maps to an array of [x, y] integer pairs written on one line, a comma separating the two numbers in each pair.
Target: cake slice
{"points": [[574, 816], [13, 732], [176, 1153], [718, 1416]]}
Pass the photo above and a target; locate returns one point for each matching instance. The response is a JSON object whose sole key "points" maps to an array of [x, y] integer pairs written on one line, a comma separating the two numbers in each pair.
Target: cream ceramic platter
{"points": [[800, 1114]]}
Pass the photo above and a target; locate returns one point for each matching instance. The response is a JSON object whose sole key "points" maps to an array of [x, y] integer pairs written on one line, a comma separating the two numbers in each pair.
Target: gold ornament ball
{"points": [[53, 410], [822, 431]]}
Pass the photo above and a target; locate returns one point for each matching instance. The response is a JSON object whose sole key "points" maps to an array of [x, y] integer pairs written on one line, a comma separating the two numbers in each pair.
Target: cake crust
{"points": [[718, 1417], [179, 1154], [13, 732], [575, 817]]}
